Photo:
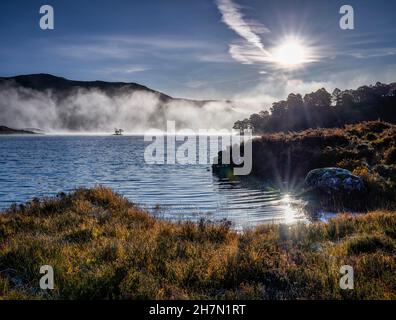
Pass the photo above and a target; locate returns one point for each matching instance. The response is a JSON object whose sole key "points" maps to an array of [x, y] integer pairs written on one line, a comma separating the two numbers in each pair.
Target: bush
{"points": [[364, 148], [390, 155]]}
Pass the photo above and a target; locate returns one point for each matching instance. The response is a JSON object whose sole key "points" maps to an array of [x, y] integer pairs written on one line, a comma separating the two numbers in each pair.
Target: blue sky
{"points": [[202, 49]]}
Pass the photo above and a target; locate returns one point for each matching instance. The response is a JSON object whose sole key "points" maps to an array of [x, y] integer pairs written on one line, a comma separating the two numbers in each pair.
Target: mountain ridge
{"points": [[47, 81]]}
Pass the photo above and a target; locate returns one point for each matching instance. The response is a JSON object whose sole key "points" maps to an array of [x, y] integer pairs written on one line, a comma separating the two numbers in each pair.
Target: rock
{"points": [[333, 181]]}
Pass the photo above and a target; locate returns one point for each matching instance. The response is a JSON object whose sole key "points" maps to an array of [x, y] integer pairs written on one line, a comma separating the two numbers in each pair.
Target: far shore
{"points": [[7, 130]]}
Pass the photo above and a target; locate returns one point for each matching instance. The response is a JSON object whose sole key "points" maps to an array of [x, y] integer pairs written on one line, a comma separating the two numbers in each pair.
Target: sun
{"points": [[291, 53]]}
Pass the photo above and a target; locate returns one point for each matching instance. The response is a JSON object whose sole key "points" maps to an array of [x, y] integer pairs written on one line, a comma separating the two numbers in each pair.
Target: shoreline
{"points": [[102, 246]]}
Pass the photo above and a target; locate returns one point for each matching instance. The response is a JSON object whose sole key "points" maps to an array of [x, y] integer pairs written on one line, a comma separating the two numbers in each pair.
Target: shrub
{"points": [[365, 148], [372, 243]]}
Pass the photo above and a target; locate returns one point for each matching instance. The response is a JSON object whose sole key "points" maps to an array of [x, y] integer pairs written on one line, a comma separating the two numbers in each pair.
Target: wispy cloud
{"points": [[91, 51], [124, 46], [250, 49], [126, 69], [234, 19], [214, 57], [246, 53], [170, 43], [371, 53]]}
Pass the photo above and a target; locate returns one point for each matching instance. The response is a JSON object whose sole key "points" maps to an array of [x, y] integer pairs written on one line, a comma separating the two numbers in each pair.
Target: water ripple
{"points": [[36, 166]]}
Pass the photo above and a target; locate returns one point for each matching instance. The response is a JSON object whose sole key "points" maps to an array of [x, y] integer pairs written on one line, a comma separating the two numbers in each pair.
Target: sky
{"points": [[256, 50]]}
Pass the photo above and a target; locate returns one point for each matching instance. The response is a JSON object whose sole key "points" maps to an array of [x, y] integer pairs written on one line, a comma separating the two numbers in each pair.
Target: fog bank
{"points": [[93, 110]]}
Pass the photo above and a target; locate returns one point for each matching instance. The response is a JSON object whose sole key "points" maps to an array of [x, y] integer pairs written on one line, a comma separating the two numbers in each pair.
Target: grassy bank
{"points": [[367, 149], [102, 246]]}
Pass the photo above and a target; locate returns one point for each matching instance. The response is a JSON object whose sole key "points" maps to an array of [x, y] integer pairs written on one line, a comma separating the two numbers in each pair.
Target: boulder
{"points": [[333, 181]]}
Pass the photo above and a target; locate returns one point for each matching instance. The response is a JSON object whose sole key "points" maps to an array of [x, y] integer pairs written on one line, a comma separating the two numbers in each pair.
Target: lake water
{"points": [[38, 166]]}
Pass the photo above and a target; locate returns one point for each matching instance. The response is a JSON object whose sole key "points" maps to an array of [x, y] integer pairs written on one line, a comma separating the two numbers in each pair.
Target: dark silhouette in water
{"points": [[118, 132]]}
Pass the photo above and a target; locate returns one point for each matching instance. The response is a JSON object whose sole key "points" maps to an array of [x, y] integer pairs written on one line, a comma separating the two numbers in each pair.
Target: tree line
{"points": [[320, 109]]}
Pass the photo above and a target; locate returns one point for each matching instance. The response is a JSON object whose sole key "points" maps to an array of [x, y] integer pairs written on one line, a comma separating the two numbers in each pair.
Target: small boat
{"points": [[118, 132]]}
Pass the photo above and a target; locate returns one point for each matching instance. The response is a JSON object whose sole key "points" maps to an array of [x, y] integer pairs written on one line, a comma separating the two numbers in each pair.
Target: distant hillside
{"points": [[321, 109], [44, 81], [6, 130]]}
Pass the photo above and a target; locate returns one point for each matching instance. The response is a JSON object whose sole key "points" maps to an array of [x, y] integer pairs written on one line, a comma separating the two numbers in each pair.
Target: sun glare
{"points": [[291, 53], [290, 212]]}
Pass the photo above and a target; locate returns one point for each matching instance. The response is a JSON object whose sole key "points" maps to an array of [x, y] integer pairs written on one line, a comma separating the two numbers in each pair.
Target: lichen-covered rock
{"points": [[334, 181]]}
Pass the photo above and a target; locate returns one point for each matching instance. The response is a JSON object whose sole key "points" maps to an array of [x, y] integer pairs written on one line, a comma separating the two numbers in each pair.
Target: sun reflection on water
{"points": [[291, 212]]}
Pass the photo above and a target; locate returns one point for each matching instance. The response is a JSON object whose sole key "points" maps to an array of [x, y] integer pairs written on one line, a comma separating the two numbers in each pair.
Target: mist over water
{"points": [[93, 110]]}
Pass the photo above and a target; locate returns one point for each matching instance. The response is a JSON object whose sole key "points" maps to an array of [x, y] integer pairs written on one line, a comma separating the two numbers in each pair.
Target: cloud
{"points": [[163, 43], [121, 47], [250, 49], [234, 19], [292, 51], [214, 57], [246, 53], [91, 51], [371, 53], [125, 69]]}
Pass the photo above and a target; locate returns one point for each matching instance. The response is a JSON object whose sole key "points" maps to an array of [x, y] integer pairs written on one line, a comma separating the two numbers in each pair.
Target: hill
{"points": [[6, 130], [43, 81]]}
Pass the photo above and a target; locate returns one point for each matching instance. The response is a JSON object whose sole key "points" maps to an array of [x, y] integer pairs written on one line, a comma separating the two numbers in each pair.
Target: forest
{"points": [[320, 109]]}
